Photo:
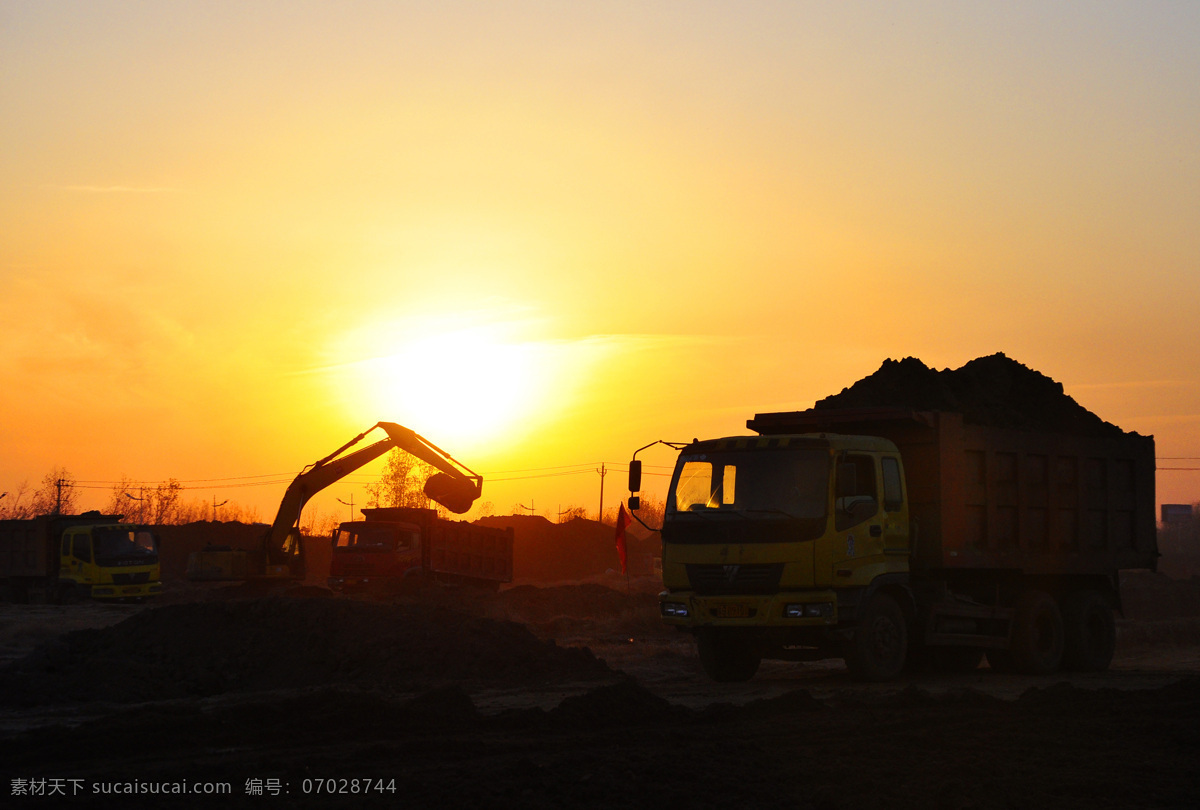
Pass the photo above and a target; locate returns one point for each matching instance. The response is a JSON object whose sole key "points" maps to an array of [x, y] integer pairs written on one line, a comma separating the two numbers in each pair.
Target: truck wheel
{"points": [[1037, 634], [727, 657], [880, 644], [67, 595], [1091, 632]]}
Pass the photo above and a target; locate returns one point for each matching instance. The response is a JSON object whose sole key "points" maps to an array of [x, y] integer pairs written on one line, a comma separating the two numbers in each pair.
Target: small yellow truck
{"points": [[67, 558]]}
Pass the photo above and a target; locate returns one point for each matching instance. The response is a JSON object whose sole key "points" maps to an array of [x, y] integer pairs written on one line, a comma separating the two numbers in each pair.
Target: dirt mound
{"points": [[995, 391], [624, 704], [578, 549], [623, 746], [583, 610], [211, 648]]}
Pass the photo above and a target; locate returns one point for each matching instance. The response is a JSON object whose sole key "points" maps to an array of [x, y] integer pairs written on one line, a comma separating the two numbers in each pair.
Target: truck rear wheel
{"points": [[727, 656], [1091, 632], [880, 644], [1037, 634]]}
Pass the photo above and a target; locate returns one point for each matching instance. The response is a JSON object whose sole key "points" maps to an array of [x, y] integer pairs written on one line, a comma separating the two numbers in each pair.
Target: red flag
{"points": [[623, 520]]}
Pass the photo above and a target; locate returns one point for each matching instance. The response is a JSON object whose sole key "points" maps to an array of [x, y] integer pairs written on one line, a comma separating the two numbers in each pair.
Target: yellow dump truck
{"points": [[889, 536], [66, 558]]}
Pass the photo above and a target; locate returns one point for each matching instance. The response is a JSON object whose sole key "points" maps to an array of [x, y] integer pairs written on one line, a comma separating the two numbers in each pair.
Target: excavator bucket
{"points": [[455, 494]]}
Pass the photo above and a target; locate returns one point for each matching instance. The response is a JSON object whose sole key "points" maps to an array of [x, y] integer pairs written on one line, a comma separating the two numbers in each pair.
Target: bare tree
{"points": [[57, 494], [166, 502], [316, 523], [401, 482], [14, 505], [162, 504]]}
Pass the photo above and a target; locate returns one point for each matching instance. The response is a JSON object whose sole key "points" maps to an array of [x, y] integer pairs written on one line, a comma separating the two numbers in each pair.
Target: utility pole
{"points": [[530, 508], [58, 485], [141, 509], [350, 504], [603, 472]]}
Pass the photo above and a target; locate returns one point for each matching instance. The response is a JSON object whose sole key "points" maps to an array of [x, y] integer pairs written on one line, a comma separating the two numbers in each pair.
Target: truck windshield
{"points": [[376, 538], [792, 483], [127, 545]]}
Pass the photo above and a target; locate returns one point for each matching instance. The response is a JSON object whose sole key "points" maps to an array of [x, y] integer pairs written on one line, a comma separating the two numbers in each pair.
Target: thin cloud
{"points": [[118, 189]]}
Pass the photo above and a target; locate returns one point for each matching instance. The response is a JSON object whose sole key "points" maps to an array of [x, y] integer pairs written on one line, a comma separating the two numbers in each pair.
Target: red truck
{"points": [[395, 543]]}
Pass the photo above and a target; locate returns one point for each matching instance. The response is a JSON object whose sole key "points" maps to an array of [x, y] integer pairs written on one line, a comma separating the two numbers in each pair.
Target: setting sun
{"points": [[453, 383]]}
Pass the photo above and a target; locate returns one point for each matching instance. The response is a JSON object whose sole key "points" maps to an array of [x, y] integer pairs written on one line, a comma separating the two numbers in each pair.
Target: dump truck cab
{"points": [[116, 561], [781, 533], [370, 551]]}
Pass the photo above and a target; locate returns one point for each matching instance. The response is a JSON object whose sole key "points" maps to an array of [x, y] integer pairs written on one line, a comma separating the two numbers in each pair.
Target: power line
{"points": [[276, 479]]}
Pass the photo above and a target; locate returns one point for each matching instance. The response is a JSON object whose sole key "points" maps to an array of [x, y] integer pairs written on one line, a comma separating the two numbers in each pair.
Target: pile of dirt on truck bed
{"points": [[995, 391], [211, 648]]}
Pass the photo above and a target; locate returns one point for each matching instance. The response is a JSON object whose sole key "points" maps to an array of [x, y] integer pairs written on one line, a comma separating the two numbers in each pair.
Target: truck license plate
{"points": [[732, 611]]}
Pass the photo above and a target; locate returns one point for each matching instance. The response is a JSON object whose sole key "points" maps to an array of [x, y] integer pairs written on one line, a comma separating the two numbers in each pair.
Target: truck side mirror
{"points": [[635, 477]]}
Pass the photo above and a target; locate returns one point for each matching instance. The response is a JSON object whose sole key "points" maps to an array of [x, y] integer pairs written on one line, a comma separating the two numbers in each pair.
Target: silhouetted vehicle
{"points": [[400, 543], [66, 558], [282, 552], [903, 538]]}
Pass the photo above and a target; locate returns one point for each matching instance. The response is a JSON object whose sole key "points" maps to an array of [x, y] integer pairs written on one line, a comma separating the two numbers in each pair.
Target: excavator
{"points": [[455, 486]]}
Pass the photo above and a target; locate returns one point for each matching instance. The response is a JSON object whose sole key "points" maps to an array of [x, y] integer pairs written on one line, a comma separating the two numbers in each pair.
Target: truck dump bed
{"points": [[26, 548], [456, 547], [1001, 498], [467, 550]]}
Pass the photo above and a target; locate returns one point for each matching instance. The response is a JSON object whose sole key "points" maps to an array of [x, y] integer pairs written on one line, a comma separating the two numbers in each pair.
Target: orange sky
{"points": [[234, 235]]}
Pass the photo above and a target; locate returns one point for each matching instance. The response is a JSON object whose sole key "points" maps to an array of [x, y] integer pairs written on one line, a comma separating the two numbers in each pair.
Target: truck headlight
{"points": [[809, 610], [675, 609]]}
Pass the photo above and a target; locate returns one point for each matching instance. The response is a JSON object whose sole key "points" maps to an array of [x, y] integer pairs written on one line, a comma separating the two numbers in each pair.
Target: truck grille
{"points": [[131, 579], [710, 580]]}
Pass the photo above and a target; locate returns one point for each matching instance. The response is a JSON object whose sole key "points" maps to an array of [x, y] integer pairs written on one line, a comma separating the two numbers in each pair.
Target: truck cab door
{"points": [[76, 556], [858, 516], [896, 539]]}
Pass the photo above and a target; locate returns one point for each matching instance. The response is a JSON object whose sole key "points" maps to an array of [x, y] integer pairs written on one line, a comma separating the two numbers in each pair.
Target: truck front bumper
{"points": [[687, 609], [138, 591]]}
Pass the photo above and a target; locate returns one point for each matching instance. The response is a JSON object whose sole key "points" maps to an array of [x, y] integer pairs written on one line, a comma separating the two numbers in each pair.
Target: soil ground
{"points": [[567, 695]]}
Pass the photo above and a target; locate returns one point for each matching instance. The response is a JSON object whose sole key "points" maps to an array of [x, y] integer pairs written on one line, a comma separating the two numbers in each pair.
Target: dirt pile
{"points": [[624, 746], [212, 648], [995, 391], [578, 549]]}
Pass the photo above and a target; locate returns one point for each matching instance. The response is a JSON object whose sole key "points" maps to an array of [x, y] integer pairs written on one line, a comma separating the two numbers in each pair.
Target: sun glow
{"points": [[466, 385]]}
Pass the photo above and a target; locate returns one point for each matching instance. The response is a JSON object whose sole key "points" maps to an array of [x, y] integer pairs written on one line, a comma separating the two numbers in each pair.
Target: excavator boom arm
{"points": [[453, 488]]}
